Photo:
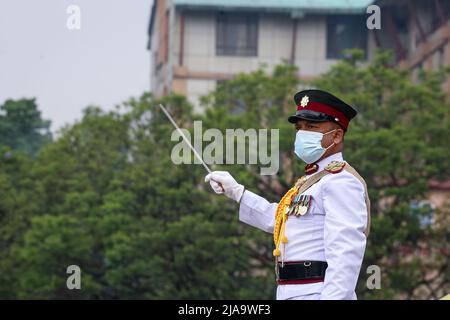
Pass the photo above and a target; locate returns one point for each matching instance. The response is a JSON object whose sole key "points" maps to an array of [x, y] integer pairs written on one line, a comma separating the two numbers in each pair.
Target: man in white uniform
{"points": [[320, 225]]}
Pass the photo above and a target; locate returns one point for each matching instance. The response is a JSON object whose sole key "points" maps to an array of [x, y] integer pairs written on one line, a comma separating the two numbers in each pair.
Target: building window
{"points": [[236, 34], [345, 32]]}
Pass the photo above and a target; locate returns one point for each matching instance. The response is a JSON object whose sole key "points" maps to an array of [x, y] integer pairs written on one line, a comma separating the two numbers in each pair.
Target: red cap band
{"points": [[320, 107]]}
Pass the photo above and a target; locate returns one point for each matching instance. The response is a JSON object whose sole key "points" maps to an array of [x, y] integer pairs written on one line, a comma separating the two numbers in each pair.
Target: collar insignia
{"points": [[311, 168], [335, 166]]}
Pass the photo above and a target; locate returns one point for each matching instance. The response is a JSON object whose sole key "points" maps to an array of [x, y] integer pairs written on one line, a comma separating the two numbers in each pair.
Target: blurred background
{"points": [[86, 176]]}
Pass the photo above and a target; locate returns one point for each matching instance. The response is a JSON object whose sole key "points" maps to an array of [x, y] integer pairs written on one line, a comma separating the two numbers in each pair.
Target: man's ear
{"points": [[338, 136]]}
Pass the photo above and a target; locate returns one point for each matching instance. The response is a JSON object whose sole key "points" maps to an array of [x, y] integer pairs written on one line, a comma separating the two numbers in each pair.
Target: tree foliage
{"points": [[107, 197], [21, 126]]}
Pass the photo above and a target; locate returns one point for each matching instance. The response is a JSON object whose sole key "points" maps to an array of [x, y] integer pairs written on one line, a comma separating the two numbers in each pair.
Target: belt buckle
{"points": [[307, 264]]}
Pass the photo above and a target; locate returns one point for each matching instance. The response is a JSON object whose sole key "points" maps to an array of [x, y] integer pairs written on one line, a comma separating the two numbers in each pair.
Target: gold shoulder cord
{"points": [[281, 217]]}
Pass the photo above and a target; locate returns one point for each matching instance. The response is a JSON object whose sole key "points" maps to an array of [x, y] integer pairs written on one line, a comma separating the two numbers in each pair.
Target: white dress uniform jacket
{"points": [[332, 230]]}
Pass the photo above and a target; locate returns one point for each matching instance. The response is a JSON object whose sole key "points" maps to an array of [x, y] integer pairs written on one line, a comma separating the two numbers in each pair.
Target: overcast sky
{"points": [[103, 63]]}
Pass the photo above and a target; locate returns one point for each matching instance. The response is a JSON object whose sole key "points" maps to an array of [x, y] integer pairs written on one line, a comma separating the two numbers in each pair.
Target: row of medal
{"points": [[299, 204]]}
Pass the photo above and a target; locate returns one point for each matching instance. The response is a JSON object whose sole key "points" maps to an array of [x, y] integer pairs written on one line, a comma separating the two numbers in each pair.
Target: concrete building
{"points": [[418, 32], [196, 43]]}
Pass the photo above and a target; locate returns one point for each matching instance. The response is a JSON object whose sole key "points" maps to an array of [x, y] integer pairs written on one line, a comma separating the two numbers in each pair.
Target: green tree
{"points": [[20, 200], [107, 197], [21, 126], [113, 203]]}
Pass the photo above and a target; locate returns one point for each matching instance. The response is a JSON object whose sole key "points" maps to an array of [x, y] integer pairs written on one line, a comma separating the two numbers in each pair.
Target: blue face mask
{"points": [[308, 145]]}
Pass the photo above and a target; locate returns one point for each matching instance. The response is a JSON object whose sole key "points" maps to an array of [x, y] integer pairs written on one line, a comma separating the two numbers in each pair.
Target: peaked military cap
{"points": [[319, 105]]}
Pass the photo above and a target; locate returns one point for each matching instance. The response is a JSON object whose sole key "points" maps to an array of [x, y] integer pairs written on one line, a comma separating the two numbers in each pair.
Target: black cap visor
{"points": [[310, 116]]}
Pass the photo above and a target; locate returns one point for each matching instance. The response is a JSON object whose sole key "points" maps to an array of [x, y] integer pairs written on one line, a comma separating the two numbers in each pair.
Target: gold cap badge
{"points": [[304, 101]]}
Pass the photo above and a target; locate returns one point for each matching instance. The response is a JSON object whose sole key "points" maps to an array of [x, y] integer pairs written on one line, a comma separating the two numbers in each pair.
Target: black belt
{"points": [[301, 272]]}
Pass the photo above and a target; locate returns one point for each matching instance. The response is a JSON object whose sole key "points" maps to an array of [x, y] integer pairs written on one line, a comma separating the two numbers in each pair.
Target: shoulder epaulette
{"points": [[335, 166]]}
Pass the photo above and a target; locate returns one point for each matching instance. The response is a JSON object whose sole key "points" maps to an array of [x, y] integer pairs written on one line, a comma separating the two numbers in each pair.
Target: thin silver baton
{"points": [[188, 143]]}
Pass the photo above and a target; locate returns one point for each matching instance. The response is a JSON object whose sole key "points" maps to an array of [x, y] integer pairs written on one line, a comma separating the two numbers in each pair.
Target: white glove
{"points": [[223, 183]]}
